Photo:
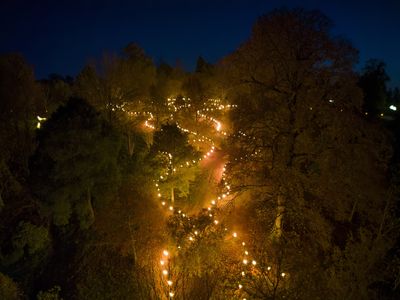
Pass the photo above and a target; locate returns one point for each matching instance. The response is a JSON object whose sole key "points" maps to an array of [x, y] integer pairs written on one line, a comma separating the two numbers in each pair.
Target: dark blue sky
{"points": [[61, 36]]}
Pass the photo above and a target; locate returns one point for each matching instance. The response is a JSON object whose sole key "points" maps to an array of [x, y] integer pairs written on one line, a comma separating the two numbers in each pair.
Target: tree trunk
{"points": [[288, 157], [130, 144], [385, 213], [133, 242], [1, 201], [353, 210], [172, 196], [90, 206], [280, 210]]}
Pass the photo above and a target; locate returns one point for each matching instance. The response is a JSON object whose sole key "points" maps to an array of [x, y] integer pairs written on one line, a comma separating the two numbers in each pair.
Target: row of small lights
{"points": [[218, 128], [165, 254], [246, 258]]}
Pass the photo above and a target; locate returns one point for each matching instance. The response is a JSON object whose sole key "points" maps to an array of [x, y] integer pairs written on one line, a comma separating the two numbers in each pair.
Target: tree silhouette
{"points": [[297, 97], [373, 83], [175, 155], [75, 164]]}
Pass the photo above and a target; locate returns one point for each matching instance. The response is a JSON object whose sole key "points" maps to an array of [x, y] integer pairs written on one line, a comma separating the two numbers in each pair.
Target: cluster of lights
{"points": [[164, 262], [210, 105], [115, 107], [216, 104], [249, 140], [198, 138], [186, 164], [148, 114], [149, 125], [143, 113], [40, 120], [247, 261], [249, 265], [172, 101], [217, 123]]}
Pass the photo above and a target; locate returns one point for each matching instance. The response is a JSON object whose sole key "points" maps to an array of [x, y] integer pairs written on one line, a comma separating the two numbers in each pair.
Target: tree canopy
{"points": [[75, 164]]}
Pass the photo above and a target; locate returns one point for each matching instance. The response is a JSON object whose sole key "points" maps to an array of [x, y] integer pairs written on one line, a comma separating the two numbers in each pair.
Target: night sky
{"points": [[61, 36]]}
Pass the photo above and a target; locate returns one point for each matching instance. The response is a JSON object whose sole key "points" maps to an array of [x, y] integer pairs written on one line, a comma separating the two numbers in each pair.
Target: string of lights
{"points": [[248, 263]]}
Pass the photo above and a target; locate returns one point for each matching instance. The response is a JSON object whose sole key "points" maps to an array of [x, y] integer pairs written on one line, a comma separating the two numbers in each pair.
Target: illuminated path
{"points": [[212, 164], [216, 163], [212, 171]]}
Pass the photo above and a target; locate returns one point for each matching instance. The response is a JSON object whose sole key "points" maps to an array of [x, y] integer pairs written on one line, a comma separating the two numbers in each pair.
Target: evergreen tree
{"points": [[75, 167]]}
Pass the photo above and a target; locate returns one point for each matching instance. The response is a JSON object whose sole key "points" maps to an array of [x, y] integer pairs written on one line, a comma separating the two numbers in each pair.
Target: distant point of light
{"points": [[393, 107]]}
